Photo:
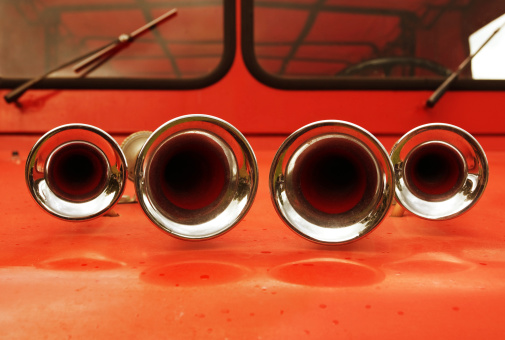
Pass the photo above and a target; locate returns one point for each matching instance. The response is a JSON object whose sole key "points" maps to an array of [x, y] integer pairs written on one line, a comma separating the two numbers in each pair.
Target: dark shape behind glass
{"points": [[329, 39]]}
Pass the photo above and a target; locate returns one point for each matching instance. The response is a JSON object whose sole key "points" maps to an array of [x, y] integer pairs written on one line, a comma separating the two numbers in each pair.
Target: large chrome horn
{"points": [[440, 171], [331, 182], [76, 172], [195, 176]]}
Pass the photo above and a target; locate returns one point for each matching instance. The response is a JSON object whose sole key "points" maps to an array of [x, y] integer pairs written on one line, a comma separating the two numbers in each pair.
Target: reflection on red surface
{"points": [[88, 262], [327, 273], [194, 274], [260, 280], [431, 263]]}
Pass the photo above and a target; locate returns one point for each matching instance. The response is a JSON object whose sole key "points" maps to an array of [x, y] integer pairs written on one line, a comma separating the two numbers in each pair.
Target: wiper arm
{"points": [[439, 92], [91, 57]]}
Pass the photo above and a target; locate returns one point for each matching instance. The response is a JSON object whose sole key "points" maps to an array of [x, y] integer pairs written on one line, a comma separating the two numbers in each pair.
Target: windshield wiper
{"points": [[439, 92], [97, 57]]}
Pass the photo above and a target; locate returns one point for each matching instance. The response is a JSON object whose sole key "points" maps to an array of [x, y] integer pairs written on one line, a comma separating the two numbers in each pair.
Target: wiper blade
{"points": [[98, 55], [439, 92]]}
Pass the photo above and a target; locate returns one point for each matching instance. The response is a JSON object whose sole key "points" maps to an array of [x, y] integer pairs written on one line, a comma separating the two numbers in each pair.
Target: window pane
{"points": [[374, 39], [38, 35]]}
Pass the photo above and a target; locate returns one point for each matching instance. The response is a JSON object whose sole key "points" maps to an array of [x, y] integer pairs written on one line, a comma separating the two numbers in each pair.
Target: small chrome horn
{"points": [[331, 182], [76, 172], [440, 171], [195, 177]]}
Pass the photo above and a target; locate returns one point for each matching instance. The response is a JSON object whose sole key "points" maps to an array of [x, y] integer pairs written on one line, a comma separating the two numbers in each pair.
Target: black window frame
{"points": [[99, 83], [341, 83]]}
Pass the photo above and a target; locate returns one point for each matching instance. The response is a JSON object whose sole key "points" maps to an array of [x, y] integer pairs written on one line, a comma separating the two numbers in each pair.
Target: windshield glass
{"points": [[38, 35], [327, 39]]}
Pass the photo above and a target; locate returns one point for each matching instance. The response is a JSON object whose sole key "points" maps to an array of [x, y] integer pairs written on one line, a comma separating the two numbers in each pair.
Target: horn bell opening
{"points": [[76, 172], [196, 177], [441, 171], [331, 182]]}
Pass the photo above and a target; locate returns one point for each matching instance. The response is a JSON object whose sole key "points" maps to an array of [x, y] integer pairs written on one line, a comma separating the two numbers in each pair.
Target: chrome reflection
{"points": [[195, 177], [331, 182], [441, 171], [131, 147], [76, 172]]}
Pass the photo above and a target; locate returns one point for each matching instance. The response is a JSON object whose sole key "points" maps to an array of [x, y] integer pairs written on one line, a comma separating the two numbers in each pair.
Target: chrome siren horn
{"points": [[195, 176], [331, 182], [440, 171], [76, 172]]}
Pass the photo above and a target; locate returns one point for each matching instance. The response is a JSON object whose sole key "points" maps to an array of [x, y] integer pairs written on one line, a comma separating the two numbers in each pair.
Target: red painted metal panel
{"points": [[120, 277], [252, 107]]}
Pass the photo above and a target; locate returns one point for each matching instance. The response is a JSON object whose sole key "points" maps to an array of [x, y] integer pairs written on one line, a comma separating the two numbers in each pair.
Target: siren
{"points": [[331, 182], [441, 171], [195, 177], [76, 172]]}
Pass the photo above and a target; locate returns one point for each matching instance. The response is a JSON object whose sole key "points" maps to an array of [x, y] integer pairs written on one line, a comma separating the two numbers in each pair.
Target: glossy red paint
{"points": [[409, 277], [123, 278], [252, 107]]}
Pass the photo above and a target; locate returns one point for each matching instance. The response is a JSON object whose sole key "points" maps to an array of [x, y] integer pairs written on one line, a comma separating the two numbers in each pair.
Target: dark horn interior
{"points": [[434, 170], [188, 173], [77, 171], [335, 175]]}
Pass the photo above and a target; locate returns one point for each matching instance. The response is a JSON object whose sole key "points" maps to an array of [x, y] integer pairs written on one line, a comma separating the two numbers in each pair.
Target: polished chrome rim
{"points": [[69, 204], [348, 218], [457, 153], [211, 218]]}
